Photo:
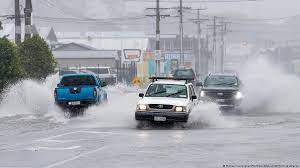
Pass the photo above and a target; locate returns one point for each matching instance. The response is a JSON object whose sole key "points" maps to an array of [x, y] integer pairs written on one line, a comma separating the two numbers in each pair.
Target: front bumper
{"points": [[224, 103], [170, 116]]}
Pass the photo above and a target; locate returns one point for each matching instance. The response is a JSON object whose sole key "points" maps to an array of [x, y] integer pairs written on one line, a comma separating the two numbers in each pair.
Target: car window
{"points": [[191, 91], [167, 90], [221, 80], [189, 73], [78, 80]]}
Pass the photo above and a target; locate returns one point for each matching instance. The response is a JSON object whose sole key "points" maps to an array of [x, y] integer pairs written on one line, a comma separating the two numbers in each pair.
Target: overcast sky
{"points": [[261, 9]]}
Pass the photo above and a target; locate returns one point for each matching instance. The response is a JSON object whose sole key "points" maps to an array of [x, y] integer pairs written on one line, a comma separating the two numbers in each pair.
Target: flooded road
{"points": [[34, 132]]}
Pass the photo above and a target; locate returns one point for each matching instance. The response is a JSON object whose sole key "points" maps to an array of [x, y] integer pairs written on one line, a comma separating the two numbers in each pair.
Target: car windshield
{"points": [[221, 80], [78, 80], [188, 73], [167, 90], [99, 70]]}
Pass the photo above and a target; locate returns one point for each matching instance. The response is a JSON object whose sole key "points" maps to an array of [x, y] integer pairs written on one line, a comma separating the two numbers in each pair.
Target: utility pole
{"points": [[157, 47], [223, 32], [27, 12], [199, 58], [214, 50], [17, 22], [157, 35], [181, 34]]}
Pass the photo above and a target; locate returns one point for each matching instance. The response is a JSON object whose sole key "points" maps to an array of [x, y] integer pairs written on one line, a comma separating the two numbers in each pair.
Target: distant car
{"points": [[184, 73], [166, 100], [223, 89], [106, 74], [78, 91]]}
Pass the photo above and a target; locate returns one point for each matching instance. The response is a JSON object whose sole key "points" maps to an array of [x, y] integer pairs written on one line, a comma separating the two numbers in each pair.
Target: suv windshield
{"points": [[99, 70], [184, 73], [78, 80], [221, 80], [167, 90]]}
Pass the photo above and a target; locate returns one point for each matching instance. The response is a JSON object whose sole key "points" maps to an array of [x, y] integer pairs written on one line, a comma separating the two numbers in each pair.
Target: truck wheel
{"points": [[68, 114], [143, 124]]}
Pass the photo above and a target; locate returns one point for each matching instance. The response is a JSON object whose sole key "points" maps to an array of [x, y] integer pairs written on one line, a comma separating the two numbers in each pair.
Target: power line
{"points": [[200, 1]]}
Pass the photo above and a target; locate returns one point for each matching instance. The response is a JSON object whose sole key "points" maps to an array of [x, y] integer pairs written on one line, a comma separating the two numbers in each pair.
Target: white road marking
{"points": [[52, 148], [74, 158]]}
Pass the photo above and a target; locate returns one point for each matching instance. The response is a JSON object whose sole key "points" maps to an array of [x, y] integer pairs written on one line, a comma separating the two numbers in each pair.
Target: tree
{"points": [[1, 25], [10, 65], [37, 59]]}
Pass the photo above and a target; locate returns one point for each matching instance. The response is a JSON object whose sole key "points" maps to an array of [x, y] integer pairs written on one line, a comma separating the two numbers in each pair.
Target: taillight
{"points": [[95, 92], [55, 92]]}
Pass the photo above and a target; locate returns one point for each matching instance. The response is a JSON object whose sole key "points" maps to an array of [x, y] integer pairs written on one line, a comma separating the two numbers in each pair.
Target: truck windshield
{"points": [[221, 80], [78, 80], [167, 90]]}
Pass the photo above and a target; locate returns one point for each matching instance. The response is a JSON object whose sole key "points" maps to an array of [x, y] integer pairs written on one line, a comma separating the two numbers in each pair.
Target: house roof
{"points": [[87, 54], [47, 33], [74, 47]]}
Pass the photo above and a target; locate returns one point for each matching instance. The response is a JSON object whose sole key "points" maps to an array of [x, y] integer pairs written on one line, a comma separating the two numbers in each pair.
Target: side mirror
{"points": [[194, 97], [141, 95], [199, 84], [103, 84]]}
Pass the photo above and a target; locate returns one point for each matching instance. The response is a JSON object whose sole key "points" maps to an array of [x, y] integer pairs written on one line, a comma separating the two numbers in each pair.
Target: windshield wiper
{"points": [[173, 94], [156, 93]]}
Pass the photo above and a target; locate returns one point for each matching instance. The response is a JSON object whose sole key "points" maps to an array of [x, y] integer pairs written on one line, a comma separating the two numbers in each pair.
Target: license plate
{"points": [[220, 100], [157, 118], [75, 103]]}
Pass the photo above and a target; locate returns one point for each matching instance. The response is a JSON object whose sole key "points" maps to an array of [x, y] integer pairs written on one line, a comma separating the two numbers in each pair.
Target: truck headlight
{"points": [[141, 107], [180, 109], [202, 94], [238, 95]]}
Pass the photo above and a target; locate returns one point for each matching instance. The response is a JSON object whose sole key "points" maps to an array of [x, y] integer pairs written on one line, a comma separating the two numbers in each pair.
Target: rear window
{"points": [[78, 80], [189, 73]]}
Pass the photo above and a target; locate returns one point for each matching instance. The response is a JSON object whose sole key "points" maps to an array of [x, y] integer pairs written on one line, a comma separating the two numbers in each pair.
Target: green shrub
{"points": [[37, 59], [10, 65]]}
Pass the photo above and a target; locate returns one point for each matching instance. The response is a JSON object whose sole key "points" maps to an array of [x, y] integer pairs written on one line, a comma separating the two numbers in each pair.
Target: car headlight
{"points": [[180, 109], [141, 107], [238, 95], [202, 94]]}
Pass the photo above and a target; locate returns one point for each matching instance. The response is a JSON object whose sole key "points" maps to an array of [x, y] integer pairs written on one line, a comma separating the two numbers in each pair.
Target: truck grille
{"points": [[220, 94], [161, 106]]}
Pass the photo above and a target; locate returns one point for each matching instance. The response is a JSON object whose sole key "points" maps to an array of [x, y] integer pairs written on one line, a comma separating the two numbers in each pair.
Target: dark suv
{"points": [[223, 89]]}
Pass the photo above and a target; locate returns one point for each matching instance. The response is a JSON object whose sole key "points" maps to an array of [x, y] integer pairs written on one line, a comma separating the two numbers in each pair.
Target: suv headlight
{"points": [[202, 94], [141, 107], [180, 109], [239, 95]]}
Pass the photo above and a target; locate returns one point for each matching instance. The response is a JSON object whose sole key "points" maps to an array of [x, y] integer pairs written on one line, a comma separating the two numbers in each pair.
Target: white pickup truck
{"points": [[106, 74], [166, 100]]}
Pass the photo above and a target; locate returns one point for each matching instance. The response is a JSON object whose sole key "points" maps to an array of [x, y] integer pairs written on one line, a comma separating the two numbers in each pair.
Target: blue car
{"points": [[78, 91]]}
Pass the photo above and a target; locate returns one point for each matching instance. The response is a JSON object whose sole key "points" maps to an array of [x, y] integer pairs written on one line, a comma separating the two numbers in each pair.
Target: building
{"points": [[47, 33], [80, 55], [170, 50]]}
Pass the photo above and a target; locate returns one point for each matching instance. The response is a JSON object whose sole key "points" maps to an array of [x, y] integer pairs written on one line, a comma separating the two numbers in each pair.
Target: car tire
{"points": [[68, 114], [143, 124]]}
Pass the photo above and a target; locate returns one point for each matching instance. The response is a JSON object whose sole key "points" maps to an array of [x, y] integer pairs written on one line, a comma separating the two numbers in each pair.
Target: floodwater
{"points": [[34, 133]]}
